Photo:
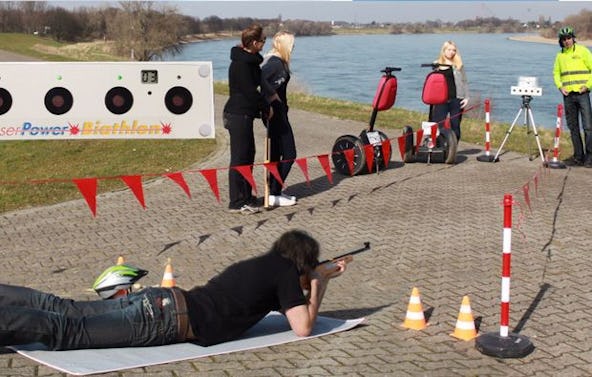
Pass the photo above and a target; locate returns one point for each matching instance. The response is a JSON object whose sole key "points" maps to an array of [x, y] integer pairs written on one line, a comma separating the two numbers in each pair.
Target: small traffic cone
{"points": [[168, 279], [414, 319], [120, 260], [465, 324]]}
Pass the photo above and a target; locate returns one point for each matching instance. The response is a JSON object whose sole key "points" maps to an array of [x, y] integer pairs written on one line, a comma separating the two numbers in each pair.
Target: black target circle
{"points": [[58, 100], [119, 100], [5, 101], [178, 100]]}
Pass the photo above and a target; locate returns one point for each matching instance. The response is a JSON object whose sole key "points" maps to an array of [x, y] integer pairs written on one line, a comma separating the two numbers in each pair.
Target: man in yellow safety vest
{"points": [[572, 74]]}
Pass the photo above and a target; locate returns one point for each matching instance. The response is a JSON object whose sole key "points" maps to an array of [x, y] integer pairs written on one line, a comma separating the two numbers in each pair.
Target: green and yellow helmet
{"points": [[116, 278], [566, 31]]}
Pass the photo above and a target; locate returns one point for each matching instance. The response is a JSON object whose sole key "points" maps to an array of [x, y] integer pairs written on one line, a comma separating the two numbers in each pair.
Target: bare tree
{"points": [[145, 33]]}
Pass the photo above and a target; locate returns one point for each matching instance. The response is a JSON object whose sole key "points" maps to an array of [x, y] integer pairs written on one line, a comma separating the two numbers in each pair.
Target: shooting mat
{"points": [[271, 330]]}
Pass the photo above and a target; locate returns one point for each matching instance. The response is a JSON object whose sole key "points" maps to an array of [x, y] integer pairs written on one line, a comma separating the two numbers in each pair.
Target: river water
{"points": [[348, 67]]}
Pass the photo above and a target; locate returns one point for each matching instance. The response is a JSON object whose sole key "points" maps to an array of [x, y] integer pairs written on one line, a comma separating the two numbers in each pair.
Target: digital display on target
{"points": [[149, 76]]}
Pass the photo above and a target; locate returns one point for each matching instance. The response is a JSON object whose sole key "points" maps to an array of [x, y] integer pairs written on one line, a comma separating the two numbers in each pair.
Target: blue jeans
{"points": [[452, 107], [144, 318], [578, 106]]}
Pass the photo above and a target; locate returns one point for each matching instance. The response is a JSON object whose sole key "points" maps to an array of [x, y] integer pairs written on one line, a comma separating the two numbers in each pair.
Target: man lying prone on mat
{"points": [[222, 310]]}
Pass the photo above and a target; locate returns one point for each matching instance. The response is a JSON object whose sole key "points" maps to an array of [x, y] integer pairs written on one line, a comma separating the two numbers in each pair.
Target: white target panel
{"points": [[106, 100]]}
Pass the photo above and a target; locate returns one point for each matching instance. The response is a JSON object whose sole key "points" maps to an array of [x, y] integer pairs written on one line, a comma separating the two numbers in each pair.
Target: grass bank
{"points": [[37, 173]]}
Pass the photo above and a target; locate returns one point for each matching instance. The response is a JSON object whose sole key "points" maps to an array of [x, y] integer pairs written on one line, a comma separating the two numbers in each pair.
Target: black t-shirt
{"points": [[241, 296], [449, 74]]}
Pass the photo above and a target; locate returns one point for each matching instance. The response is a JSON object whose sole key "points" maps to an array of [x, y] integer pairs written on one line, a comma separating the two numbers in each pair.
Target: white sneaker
{"points": [[291, 197], [280, 201]]}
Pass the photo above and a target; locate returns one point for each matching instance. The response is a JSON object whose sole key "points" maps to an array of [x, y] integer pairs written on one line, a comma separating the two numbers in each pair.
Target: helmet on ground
{"points": [[117, 278]]}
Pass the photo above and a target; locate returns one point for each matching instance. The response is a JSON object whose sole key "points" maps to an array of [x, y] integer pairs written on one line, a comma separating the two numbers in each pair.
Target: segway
{"points": [[384, 99], [435, 143]]}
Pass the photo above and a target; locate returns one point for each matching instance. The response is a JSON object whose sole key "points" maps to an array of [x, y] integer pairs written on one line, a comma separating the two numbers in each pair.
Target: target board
{"points": [[106, 100]]}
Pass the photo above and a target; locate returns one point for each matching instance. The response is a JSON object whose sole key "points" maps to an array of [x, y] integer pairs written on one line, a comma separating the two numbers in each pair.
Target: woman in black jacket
{"points": [[244, 105], [276, 75]]}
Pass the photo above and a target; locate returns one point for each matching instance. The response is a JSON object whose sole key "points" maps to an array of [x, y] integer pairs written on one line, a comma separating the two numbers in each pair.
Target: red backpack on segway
{"points": [[436, 143], [384, 99]]}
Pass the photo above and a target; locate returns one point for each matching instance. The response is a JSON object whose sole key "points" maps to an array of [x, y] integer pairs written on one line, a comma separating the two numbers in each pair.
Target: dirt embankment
{"points": [[538, 39]]}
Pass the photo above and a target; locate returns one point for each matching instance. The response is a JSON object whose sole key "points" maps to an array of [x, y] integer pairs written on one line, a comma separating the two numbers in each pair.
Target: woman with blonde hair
{"points": [[275, 75], [458, 89]]}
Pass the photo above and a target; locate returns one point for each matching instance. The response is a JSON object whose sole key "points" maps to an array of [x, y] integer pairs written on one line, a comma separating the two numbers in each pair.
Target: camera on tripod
{"points": [[527, 86]]}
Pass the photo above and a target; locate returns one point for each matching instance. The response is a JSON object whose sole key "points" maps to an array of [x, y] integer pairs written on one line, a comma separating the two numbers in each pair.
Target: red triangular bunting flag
{"points": [[134, 182], [324, 160], [88, 189], [180, 180], [349, 158], [304, 167], [369, 152], [419, 138], [402, 146], [247, 172], [212, 178], [536, 184], [525, 189], [273, 169], [386, 152]]}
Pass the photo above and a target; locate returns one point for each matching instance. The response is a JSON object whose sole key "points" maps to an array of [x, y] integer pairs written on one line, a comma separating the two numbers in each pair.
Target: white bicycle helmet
{"points": [[117, 278]]}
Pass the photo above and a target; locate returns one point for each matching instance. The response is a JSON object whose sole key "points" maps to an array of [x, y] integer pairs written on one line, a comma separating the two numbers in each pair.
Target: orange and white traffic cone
{"points": [[414, 319], [120, 260], [465, 324], [168, 279]]}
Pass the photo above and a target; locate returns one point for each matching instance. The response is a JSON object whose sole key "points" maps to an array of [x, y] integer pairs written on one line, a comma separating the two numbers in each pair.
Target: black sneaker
{"points": [[572, 161], [588, 163]]}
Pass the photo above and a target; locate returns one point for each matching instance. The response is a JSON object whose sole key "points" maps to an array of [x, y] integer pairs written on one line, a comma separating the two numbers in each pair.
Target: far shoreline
{"points": [[535, 38]]}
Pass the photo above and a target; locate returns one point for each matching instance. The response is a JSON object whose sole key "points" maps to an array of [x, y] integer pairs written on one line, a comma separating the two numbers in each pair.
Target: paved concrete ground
{"points": [[435, 227]]}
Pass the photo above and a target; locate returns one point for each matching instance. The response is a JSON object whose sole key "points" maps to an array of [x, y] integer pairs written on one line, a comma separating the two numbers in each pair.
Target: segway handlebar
{"points": [[388, 70], [435, 65], [353, 252]]}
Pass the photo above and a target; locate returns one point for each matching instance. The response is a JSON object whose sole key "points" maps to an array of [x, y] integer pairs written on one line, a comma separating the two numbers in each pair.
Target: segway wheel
{"points": [[409, 154], [379, 157], [447, 141], [339, 160]]}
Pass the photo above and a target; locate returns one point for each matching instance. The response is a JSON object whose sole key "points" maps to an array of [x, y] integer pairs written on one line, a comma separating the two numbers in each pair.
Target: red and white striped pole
{"points": [[555, 163], [506, 259], [504, 343], [487, 156]]}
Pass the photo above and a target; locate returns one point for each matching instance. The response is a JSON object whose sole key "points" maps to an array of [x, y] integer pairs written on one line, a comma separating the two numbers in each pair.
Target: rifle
{"points": [[305, 279], [348, 254]]}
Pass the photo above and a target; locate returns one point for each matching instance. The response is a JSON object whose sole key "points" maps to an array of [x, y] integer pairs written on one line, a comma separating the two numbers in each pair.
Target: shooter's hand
{"points": [[464, 102], [331, 269]]}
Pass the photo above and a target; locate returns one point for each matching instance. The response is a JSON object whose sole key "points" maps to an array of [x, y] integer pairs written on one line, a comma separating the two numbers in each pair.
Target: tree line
{"points": [[153, 29]]}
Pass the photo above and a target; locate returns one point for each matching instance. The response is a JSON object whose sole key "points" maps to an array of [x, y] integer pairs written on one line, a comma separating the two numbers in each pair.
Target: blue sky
{"points": [[368, 11]]}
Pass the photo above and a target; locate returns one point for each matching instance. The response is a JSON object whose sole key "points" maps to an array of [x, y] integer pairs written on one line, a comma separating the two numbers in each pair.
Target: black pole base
{"points": [[511, 346], [555, 165], [485, 158]]}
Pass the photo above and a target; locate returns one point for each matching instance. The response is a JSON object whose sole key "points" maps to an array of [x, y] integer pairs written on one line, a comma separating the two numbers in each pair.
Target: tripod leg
{"points": [[496, 157], [536, 135]]}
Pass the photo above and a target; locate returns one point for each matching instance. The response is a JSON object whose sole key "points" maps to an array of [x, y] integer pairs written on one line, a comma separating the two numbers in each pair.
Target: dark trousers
{"points": [[577, 106], [242, 152], [452, 107], [282, 145], [143, 318]]}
